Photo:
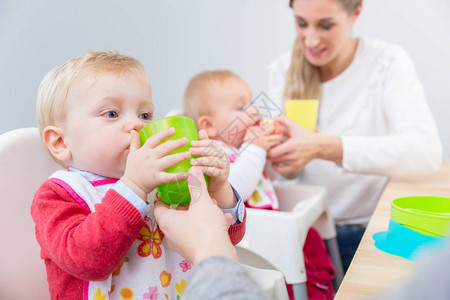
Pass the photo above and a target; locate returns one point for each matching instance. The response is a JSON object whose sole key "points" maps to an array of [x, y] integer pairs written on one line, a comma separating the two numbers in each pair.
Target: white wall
{"points": [[422, 27], [176, 39]]}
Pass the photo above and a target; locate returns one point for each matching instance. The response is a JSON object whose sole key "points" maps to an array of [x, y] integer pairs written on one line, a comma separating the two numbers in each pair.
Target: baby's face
{"points": [[101, 114], [234, 112]]}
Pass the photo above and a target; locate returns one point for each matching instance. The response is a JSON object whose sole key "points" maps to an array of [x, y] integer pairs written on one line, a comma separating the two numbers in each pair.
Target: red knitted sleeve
{"points": [[237, 231], [89, 246]]}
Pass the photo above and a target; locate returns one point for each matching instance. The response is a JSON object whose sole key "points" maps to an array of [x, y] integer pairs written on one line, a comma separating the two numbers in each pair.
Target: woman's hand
{"points": [[199, 232], [301, 146]]}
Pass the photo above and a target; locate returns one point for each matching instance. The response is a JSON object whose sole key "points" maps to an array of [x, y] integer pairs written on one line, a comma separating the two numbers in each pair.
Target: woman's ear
{"points": [[357, 12], [54, 140], [205, 122]]}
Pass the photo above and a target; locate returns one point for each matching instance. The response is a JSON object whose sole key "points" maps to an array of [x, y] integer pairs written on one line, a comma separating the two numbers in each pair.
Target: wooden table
{"points": [[373, 271]]}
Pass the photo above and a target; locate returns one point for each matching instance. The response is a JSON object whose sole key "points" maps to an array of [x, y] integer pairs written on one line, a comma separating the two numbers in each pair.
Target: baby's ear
{"points": [[205, 123], [54, 140]]}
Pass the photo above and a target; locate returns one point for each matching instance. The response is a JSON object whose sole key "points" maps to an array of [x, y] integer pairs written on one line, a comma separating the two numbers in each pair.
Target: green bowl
{"points": [[174, 192], [428, 215]]}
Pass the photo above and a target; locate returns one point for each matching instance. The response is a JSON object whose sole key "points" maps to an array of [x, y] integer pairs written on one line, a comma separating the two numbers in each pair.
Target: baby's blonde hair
{"points": [[197, 97], [53, 90]]}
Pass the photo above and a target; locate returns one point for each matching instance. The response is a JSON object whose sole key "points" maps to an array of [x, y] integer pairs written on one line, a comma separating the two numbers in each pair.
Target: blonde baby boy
{"points": [[94, 219]]}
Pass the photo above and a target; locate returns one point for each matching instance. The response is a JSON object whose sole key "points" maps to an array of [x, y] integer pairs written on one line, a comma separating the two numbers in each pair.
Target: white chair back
{"points": [[275, 239], [24, 165]]}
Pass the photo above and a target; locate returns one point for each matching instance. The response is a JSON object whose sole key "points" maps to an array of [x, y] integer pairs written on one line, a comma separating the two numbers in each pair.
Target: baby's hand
{"points": [[213, 161], [263, 135], [146, 165]]}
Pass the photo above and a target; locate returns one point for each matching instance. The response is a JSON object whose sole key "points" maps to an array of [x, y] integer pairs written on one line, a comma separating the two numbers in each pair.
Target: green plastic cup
{"points": [[428, 215], [175, 192]]}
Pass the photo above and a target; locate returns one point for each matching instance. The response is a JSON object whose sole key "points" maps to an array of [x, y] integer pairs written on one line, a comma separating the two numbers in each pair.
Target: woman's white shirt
{"points": [[378, 108]]}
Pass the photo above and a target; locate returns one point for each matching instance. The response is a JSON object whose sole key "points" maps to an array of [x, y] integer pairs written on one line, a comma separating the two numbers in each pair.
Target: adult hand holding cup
{"points": [[201, 231]]}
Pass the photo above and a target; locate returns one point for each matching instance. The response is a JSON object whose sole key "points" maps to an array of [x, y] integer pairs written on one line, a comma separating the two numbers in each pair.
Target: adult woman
{"points": [[373, 120]]}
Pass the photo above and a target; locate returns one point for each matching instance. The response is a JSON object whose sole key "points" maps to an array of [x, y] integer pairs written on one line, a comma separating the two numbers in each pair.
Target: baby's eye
{"points": [[111, 114], [145, 116]]}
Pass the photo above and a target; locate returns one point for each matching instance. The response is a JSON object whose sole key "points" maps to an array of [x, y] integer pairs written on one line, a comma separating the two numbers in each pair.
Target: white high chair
{"points": [[275, 239], [24, 165]]}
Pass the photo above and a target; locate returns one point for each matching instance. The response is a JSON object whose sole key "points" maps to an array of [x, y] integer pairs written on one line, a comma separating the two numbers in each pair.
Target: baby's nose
{"points": [[135, 124], [253, 111]]}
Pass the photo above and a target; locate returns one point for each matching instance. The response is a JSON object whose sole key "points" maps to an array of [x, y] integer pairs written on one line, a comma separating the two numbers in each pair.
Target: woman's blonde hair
{"points": [[302, 78], [54, 87], [197, 98]]}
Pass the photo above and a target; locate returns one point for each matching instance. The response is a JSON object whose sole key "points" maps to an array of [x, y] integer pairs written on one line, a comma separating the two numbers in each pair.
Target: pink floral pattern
{"points": [[152, 293], [185, 265]]}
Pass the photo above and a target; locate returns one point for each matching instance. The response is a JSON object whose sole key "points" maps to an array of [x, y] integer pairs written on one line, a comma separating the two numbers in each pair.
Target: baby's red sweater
{"points": [[78, 245]]}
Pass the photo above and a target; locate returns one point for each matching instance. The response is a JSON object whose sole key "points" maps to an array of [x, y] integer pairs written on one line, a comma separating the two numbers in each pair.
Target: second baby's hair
{"points": [[197, 95]]}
